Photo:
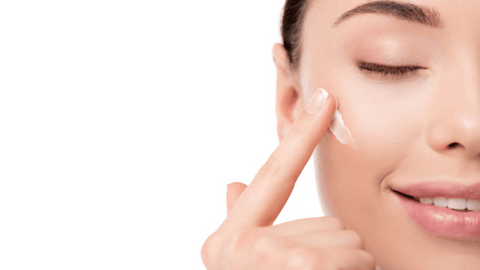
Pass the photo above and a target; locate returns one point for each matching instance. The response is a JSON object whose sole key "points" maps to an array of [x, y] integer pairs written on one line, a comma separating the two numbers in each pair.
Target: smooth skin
{"points": [[247, 240], [420, 127]]}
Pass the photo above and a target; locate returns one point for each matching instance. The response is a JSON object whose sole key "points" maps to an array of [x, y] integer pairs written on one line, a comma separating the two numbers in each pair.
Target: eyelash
{"points": [[387, 71]]}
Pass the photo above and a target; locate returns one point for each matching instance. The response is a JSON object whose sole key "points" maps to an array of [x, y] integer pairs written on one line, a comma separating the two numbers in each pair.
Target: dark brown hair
{"points": [[292, 21]]}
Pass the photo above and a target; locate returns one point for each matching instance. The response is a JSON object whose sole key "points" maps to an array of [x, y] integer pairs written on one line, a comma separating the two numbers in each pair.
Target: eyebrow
{"points": [[404, 11]]}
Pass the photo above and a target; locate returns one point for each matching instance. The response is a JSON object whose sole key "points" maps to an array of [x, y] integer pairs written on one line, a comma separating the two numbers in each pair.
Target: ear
{"points": [[289, 99]]}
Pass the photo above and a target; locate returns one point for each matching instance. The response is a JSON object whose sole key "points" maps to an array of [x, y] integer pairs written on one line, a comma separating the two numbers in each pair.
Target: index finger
{"points": [[263, 200]]}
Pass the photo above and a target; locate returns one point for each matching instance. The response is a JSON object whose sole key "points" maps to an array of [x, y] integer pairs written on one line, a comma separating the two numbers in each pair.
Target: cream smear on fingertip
{"points": [[340, 130]]}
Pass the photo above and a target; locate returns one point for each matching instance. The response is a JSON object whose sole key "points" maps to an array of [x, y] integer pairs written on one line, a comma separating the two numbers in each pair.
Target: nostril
{"points": [[452, 145]]}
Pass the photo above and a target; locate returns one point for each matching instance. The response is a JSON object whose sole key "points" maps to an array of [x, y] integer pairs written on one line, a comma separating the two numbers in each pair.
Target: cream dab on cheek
{"points": [[341, 132]]}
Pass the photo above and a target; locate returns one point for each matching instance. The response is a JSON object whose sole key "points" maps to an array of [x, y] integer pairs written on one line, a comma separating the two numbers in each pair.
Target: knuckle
{"points": [[266, 250], [240, 240], [334, 222], [368, 259], [271, 168], [330, 260], [355, 239], [209, 248], [304, 258]]}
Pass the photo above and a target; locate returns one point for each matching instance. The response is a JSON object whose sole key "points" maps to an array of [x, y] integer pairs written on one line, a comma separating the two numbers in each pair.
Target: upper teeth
{"points": [[458, 204]]}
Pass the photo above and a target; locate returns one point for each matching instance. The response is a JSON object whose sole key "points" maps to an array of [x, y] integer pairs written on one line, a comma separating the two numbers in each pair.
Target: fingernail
{"points": [[319, 99]]}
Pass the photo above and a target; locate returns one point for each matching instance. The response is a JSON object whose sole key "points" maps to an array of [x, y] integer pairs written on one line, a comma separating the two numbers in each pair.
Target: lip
{"points": [[441, 189], [440, 221]]}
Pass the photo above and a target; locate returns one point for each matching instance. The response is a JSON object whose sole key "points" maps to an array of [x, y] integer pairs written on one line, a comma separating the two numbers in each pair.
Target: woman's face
{"points": [[421, 126]]}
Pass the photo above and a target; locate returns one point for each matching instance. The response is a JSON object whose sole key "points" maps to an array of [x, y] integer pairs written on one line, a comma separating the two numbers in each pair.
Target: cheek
{"points": [[384, 129], [385, 125]]}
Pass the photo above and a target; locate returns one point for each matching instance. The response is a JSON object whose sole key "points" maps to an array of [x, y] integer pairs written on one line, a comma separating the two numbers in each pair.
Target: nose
{"points": [[454, 113]]}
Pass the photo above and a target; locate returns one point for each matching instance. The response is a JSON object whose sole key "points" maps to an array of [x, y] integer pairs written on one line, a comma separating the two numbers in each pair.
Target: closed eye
{"points": [[397, 72]]}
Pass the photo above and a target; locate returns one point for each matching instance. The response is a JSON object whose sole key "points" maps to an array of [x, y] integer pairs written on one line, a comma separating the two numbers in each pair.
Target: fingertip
{"points": [[336, 101], [334, 97], [236, 185], [326, 103]]}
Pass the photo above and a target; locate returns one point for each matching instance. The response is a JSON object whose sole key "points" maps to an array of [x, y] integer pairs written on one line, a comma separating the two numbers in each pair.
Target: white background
{"points": [[122, 122]]}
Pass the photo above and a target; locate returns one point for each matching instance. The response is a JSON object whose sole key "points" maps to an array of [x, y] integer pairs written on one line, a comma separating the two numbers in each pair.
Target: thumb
{"points": [[234, 191]]}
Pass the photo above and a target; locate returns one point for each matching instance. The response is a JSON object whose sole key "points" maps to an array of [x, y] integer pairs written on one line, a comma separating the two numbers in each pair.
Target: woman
{"points": [[405, 78]]}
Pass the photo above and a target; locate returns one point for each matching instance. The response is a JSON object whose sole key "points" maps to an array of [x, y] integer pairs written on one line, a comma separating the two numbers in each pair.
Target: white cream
{"points": [[341, 132]]}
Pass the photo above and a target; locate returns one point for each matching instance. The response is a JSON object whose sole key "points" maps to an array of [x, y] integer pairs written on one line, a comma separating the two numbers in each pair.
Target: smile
{"points": [[439, 209], [457, 204]]}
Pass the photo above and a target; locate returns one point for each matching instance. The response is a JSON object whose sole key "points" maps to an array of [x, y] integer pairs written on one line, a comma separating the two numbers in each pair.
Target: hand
{"points": [[246, 240]]}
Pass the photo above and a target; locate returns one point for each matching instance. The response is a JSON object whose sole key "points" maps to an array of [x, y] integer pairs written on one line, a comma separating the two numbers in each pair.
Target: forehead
{"points": [[327, 21], [327, 13]]}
